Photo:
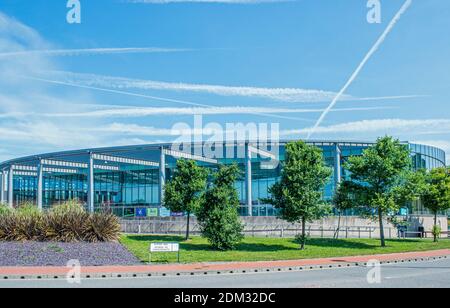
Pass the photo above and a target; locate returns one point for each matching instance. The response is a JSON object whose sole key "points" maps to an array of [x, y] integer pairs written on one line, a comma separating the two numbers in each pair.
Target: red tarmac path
{"points": [[219, 267]]}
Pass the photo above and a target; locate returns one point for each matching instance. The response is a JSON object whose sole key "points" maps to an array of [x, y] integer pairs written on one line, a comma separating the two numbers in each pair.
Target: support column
{"points": [[248, 179], [11, 187], [2, 187], [162, 175], [90, 179], [337, 166], [40, 185]]}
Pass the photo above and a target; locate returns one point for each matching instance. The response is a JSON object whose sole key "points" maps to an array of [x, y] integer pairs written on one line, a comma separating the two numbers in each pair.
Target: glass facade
{"points": [[131, 185]]}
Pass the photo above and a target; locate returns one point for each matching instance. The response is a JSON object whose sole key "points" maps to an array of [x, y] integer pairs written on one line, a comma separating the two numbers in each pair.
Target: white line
{"points": [[91, 51], [391, 25], [182, 102], [291, 95]]}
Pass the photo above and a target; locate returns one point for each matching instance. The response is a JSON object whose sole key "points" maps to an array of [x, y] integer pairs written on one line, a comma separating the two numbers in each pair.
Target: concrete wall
{"points": [[351, 227], [427, 222]]}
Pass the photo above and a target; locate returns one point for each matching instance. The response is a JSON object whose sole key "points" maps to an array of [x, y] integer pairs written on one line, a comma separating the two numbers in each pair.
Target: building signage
{"points": [[163, 212], [152, 212], [177, 214], [141, 212]]}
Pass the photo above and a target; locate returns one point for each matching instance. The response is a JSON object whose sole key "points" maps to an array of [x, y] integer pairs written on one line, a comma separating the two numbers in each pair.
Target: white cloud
{"points": [[381, 126], [130, 111], [24, 135], [36, 136], [370, 129], [134, 129], [14, 33], [290, 95], [119, 83]]}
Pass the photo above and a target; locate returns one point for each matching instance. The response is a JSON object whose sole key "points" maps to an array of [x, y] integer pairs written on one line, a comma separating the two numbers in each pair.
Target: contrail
{"points": [[375, 47], [132, 111], [291, 95], [90, 51], [377, 98], [169, 100]]}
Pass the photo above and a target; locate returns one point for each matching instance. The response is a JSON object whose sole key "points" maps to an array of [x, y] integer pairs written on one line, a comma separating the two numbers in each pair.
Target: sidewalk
{"points": [[215, 268]]}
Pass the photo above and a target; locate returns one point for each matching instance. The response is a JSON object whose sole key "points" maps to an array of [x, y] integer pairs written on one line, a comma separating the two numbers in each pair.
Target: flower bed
{"points": [[58, 254]]}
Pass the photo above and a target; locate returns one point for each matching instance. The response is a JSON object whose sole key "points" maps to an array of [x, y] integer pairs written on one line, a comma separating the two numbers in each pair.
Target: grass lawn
{"points": [[267, 249]]}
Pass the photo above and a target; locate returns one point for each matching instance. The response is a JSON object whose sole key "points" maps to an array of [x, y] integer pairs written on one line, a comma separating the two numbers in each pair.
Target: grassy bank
{"points": [[265, 249]]}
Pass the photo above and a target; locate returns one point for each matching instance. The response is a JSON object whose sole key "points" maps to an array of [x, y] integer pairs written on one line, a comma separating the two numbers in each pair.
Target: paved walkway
{"points": [[218, 267]]}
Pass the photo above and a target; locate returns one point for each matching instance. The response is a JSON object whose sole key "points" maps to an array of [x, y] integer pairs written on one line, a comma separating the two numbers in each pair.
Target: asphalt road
{"points": [[432, 274]]}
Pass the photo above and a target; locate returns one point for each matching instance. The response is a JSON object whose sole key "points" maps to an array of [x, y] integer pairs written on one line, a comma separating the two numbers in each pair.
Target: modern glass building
{"points": [[130, 179]]}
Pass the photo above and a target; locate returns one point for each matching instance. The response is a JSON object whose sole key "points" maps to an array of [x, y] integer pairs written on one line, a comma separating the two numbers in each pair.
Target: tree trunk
{"points": [[187, 225], [303, 241], [336, 235], [380, 218], [435, 227]]}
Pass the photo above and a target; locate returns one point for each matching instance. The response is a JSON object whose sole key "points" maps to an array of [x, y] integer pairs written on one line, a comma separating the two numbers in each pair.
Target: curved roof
{"points": [[146, 148]]}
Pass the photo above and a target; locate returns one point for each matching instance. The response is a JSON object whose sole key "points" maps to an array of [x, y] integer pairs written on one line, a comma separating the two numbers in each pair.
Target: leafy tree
{"points": [[381, 180], [436, 196], [183, 193], [298, 195], [342, 201], [218, 216]]}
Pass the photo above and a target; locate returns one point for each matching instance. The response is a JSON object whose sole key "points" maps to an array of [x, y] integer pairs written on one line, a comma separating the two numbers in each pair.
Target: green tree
{"points": [[381, 179], [218, 216], [299, 193], [342, 201], [436, 196], [184, 192]]}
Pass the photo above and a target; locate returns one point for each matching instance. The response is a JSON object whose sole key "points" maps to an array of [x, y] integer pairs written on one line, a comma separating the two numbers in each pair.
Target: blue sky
{"points": [[130, 71]]}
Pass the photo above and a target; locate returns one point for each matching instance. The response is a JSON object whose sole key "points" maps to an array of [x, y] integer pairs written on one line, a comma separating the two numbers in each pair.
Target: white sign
{"points": [[164, 247]]}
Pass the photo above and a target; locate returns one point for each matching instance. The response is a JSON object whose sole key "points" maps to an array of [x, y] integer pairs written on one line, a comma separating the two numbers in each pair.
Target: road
{"points": [[432, 274]]}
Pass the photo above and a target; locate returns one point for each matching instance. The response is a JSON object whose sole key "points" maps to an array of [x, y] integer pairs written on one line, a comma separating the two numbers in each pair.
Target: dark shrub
{"points": [[29, 223], [67, 222], [102, 227], [7, 225]]}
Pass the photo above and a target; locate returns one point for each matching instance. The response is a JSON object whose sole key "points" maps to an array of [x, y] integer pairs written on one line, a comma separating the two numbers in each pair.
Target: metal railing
{"points": [[159, 226]]}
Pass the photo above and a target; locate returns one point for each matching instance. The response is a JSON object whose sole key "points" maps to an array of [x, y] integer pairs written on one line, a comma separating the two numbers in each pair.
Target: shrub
{"points": [[218, 217], [67, 222], [29, 223], [437, 232], [27, 209], [73, 206], [102, 227], [4, 209], [300, 238], [8, 224]]}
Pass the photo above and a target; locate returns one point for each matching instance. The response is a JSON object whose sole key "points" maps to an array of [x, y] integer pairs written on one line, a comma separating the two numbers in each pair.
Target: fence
{"points": [[172, 227]]}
